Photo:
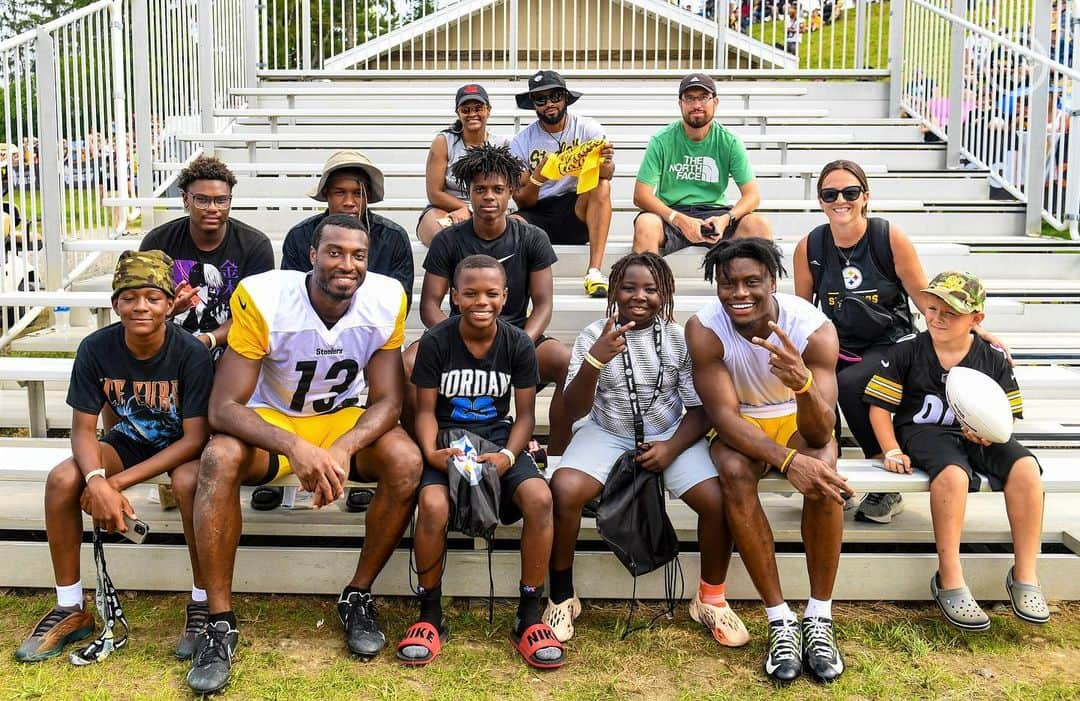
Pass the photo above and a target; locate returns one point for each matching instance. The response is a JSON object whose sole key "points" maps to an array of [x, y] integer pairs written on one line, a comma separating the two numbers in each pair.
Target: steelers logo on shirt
{"points": [[852, 277]]}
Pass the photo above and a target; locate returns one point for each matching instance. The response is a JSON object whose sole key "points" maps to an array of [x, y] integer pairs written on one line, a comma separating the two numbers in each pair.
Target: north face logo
{"points": [[538, 77]]}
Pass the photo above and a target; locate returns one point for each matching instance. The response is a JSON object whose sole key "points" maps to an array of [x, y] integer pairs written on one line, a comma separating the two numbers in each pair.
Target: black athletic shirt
{"points": [[910, 382], [474, 392], [151, 397], [244, 251], [522, 249], [856, 273]]}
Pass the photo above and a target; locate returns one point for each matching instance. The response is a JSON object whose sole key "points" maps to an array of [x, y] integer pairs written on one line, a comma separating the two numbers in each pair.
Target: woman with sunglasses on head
{"points": [[861, 271], [447, 202]]}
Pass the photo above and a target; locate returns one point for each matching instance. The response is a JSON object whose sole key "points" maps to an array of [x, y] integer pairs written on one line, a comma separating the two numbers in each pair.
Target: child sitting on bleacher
{"points": [[151, 382], [910, 383]]}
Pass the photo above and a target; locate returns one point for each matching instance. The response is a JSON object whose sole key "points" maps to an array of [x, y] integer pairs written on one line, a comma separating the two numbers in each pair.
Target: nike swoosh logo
{"points": [[241, 301], [885, 363], [503, 260], [814, 262]]}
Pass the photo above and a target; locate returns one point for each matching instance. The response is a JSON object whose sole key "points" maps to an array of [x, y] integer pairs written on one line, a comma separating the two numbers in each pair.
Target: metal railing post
{"points": [[1072, 184], [140, 79], [720, 42], [860, 33], [1034, 186], [513, 39], [954, 131], [120, 112], [206, 70], [305, 35], [52, 203], [896, 55], [251, 43]]}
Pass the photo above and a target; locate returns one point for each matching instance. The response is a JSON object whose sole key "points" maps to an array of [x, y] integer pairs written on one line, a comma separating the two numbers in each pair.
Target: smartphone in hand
{"points": [[136, 530]]}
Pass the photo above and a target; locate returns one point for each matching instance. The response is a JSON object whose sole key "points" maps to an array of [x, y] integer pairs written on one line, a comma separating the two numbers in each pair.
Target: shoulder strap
{"points": [[815, 250], [881, 249]]}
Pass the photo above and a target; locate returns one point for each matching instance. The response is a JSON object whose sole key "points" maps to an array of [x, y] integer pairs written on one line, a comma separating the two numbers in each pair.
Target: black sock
{"points": [[431, 605], [528, 612], [352, 590], [227, 616], [562, 584]]}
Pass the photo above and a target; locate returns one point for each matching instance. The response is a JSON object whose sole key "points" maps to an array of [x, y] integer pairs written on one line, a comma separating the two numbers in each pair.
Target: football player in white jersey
{"points": [[765, 369], [302, 349]]}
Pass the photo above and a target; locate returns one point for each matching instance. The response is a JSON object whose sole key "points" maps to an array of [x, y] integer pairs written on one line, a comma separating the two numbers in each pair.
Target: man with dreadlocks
{"points": [[765, 368], [489, 175], [639, 328]]}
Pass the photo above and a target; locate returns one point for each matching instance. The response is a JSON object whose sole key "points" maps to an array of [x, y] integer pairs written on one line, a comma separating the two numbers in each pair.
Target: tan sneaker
{"points": [[55, 630], [561, 617], [722, 621]]}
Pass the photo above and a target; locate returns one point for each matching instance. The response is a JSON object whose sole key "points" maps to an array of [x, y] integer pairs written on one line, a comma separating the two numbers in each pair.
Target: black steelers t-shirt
{"points": [[474, 392], [910, 382], [522, 249]]}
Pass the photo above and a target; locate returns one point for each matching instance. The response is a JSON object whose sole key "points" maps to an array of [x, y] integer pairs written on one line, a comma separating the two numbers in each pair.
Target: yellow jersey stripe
{"points": [[249, 334], [884, 389], [883, 397], [886, 382]]}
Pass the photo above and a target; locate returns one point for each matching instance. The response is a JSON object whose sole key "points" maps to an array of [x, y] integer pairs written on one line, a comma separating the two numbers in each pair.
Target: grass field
{"points": [[292, 648]]}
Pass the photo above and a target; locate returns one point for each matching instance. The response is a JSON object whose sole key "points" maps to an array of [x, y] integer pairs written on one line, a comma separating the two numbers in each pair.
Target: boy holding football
{"points": [[923, 431]]}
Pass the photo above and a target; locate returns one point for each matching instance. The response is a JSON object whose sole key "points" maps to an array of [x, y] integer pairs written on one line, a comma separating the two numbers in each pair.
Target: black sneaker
{"points": [[820, 654], [783, 661], [358, 499], [198, 613], [267, 498], [361, 622], [880, 507], [212, 660]]}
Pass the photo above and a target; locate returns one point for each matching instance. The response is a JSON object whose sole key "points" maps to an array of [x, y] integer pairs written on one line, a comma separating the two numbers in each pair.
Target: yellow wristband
{"points": [[809, 381], [591, 360], [535, 182], [787, 461]]}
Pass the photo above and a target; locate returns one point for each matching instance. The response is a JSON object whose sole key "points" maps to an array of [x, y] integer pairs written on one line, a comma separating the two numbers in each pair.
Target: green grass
{"points": [[829, 46], [291, 648]]}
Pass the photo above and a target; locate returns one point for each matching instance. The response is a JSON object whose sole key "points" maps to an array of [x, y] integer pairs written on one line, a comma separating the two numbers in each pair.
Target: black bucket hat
{"points": [[544, 80]]}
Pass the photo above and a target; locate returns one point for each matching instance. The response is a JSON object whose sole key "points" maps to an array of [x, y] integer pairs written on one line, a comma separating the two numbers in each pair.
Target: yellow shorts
{"points": [[778, 428], [321, 430]]}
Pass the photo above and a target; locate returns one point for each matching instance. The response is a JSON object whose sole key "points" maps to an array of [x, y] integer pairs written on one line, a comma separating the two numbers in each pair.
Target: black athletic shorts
{"points": [[555, 215], [523, 469], [933, 448], [673, 237], [131, 452]]}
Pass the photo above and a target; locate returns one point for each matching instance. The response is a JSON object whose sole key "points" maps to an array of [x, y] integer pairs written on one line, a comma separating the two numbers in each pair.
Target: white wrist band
{"points": [[671, 217], [509, 455], [100, 472], [894, 455]]}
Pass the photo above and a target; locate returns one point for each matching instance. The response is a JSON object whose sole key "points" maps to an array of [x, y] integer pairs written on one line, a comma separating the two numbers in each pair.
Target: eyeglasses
{"points": [[472, 109], [553, 96], [698, 100], [203, 202], [850, 193]]}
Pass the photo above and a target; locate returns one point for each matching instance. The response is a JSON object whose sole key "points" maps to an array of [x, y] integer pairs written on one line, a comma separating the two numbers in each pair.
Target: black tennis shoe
{"points": [[821, 656], [361, 622], [212, 661], [198, 613], [783, 661]]}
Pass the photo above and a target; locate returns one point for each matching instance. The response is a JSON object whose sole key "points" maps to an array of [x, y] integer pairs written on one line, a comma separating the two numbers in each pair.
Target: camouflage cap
{"points": [[961, 291], [143, 269]]}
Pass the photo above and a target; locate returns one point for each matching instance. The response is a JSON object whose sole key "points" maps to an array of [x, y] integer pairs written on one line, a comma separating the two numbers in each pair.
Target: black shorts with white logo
{"points": [[933, 448]]}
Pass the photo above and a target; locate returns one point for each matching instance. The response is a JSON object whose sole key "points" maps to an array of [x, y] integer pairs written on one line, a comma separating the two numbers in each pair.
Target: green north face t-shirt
{"points": [[682, 171]]}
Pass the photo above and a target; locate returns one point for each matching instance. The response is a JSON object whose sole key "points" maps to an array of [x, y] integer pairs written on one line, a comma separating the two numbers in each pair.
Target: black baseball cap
{"points": [[697, 80], [541, 81], [471, 92]]}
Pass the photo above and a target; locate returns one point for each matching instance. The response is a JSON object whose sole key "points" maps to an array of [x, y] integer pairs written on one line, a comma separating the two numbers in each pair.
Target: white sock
{"points": [[780, 612], [595, 270], [818, 609], [69, 596], [198, 595]]}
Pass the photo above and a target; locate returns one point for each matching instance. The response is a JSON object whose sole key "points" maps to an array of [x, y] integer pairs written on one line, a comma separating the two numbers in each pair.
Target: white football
{"points": [[979, 404]]}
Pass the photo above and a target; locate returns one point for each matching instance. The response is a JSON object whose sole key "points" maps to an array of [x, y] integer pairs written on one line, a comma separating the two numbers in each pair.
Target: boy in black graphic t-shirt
{"points": [[155, 380], [465, 369], [924, 433]]}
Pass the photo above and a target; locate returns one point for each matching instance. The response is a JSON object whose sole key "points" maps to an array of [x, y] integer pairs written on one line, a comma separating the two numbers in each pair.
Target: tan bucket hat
{"points": [[349, 158]]}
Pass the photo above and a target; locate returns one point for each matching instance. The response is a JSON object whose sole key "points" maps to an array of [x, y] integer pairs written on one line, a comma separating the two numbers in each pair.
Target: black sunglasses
{"points": [[553, 96], [851, 193]]}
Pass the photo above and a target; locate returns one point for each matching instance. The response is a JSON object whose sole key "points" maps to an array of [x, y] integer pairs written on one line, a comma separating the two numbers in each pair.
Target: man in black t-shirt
{"points": [[150, 382], [487, 174], [465, 369], [925, 433], [211, 252]]}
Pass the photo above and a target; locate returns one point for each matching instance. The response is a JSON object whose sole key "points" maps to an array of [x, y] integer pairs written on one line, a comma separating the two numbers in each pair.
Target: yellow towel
{"points": [[583, 161]]}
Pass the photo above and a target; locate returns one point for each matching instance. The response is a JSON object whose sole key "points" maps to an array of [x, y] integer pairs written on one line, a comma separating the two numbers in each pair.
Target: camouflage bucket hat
{"points": [[143, 269], [961, 291]]}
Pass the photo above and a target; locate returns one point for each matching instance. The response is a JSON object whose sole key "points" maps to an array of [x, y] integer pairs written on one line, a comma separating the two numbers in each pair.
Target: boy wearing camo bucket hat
{"points": [[923, 432], [156, 379]]}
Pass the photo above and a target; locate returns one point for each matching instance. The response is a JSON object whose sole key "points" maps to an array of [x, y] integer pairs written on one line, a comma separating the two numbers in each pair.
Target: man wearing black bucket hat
{"points": [[555, 205]]}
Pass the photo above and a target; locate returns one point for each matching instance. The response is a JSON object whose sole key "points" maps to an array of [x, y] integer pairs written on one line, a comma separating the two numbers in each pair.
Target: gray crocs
{"points": [[1028, 602], [959, 607]]}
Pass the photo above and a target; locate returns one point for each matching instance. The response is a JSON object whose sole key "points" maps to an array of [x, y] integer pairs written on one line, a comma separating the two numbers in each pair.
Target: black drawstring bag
{"points": [[632, 517], [114, 633], [474, 508]]}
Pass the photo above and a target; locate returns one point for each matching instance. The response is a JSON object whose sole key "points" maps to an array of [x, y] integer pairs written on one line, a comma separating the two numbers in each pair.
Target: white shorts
{"points": [[593, 450]]}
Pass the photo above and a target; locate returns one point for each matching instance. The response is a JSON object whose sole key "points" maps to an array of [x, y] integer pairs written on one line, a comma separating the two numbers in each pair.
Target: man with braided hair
{"points": [[489, 174]]}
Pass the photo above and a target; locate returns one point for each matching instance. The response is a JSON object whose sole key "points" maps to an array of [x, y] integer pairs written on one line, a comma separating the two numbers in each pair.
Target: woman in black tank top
{"points": [[861, 271]]}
